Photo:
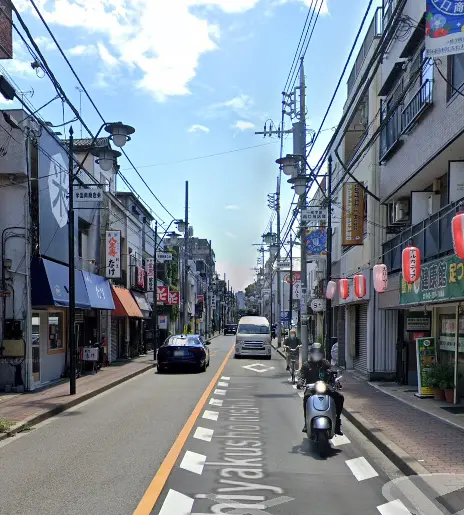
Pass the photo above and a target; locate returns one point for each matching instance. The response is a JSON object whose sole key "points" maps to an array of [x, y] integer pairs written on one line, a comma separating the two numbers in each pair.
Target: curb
{"points": [[32, 421], [279, 351], [400, 458]]}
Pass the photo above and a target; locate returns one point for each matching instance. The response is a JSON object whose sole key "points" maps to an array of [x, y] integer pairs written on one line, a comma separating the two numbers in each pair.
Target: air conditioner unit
{"points": [[400, 211]]}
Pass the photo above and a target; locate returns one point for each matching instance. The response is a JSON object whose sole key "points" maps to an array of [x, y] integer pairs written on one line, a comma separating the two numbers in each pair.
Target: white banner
{"points": [[314, 215], [163, 256], [113, 254], [150, 264], [297, 290], [88, 195]]}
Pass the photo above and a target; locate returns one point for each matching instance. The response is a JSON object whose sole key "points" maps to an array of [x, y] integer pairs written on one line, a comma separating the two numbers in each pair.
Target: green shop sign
{"points": [[440, 280]]}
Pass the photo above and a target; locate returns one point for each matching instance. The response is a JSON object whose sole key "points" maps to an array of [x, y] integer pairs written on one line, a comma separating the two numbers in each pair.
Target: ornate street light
{"points": [[289, 164], [273, 249], [299, 184], [269, 238], [105, 157], [180, 226], [173, 238], [119, 133]]}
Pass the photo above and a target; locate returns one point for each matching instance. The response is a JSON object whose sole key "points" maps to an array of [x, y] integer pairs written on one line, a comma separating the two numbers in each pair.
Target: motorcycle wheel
{"points": [[323, 442]]}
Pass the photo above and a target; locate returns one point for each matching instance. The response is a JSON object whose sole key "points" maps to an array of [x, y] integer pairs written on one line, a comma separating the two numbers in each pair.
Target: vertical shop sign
{"points": [[113, 254], [140, 276], [150, 264], [352, 214], [426, 352]]}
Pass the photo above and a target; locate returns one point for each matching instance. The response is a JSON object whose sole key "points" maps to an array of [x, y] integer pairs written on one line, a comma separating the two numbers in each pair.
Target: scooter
{"points": [[321, 414]]}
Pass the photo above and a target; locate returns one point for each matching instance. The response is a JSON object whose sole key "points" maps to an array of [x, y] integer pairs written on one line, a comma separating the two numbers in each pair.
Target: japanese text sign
{"points": [[140, 274], [425, 351], [113, 254], [174, 298], [150, 264], [162, 294], [88, 195], [352, 214], [444, 20], [314, 215]]}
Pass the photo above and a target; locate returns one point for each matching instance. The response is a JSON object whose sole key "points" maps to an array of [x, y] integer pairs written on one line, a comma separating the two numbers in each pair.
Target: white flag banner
{"points": [[113, 254], [297, 290], [150, 264]]}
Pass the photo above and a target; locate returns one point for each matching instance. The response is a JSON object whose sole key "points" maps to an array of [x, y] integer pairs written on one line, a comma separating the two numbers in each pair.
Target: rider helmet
{"points": [[315, 352]]}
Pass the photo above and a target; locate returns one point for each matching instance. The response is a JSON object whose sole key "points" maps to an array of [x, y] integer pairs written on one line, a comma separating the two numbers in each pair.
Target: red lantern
{"points": [[457, 227], [331, 289], [411, 259], [380, 275], [360, 286], [344, 288]]}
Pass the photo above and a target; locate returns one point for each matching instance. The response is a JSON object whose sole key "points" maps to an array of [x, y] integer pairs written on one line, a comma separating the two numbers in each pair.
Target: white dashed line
{"points": [[202, 433], [224, 378], [219, 392], [361, 469], [193, 462], [222, 384], [338, 440], [216, 402], [211, 415], [393, 508], [176, 503]]}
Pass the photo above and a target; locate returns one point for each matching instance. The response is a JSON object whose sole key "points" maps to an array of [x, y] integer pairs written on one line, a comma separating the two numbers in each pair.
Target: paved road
{"points": [[113, 453]]}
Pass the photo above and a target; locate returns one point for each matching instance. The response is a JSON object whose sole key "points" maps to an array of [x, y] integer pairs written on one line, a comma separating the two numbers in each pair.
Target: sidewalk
{"points": [[28, 409]]}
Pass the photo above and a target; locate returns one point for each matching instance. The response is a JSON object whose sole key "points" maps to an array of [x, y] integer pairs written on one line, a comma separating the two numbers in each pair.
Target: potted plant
{"points": [[432, 380], [447, 381]]}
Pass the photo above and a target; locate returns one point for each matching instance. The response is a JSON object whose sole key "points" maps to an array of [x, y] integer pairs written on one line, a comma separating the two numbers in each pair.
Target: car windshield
{"points": [[253, 329], [176, 340]]}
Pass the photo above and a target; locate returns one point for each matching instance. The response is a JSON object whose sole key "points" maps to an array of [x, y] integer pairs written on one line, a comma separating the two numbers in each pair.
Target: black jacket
{"points": [[293, 343], [311, 371]]}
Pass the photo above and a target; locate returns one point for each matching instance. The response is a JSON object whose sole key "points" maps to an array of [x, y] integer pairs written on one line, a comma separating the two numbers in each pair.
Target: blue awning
{"points": [[50, 285], [99, 291]]}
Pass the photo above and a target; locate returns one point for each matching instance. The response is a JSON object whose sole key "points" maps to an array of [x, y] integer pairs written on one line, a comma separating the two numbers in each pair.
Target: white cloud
{"points": [[82, 50], [232, 207], [46, 43], [242, 125], [19, 68], [160, 43], [241, 105], [230, 235], [106, 57], [308, 3], [198, 128]]}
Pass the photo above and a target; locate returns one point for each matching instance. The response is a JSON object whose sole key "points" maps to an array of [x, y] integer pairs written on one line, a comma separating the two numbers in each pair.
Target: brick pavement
{"points": [[28, 406], [438, 446]]}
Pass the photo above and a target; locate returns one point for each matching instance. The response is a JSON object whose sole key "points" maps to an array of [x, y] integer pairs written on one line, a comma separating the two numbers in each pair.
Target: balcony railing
{"points": [[390, 134], [374, 31], [418, 103], [432, 236]]}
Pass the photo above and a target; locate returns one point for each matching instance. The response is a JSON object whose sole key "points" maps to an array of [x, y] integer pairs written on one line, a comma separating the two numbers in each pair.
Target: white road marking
{"points": [[361, 469], [258, 367], [176, 504], [216, 402], [225, 378], [393, 508], [193, 462], [219, 392], [338, 440], [222, 384], [202, 433], [211, 415]]}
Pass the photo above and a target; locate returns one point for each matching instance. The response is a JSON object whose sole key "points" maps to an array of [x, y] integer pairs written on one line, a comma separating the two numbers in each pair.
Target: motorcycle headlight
{"points": [[321, 387]]}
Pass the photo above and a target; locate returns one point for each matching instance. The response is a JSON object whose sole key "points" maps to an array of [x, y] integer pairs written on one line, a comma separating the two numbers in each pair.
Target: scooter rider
{"points": [[317, 369], [292, 342]]}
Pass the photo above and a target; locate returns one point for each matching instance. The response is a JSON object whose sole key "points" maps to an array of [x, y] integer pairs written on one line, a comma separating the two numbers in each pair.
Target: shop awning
{"points": [[99, 291], [141, 300], [50, 285], [124, 303]]}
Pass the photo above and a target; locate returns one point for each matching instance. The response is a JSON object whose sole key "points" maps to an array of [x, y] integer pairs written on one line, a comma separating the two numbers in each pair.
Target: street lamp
{"points": [[269, 238], [299, 184], [289, 164], [180, 226], [120, 135], [173, 238], [273, 249]]}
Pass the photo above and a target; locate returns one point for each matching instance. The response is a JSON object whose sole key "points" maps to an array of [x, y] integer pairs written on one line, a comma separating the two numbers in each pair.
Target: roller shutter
{"points": [[360, 359]]}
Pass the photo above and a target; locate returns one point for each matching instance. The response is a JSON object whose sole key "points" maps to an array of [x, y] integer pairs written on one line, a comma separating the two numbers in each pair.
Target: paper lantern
{"points": [[380, 276], [411, 264], [344, 288], [331, 289], [457, 228], [360, 286]]}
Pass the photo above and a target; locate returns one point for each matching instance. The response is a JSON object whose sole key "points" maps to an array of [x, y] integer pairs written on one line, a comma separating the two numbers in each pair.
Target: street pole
{"points": [[154, 314], [304, 278], [186, 237], [72, 279], [279, 277], [328, 302], [291, 284]]}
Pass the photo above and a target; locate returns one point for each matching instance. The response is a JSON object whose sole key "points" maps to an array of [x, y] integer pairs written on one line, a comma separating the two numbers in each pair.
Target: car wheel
{"points": [[160, 369], [236, 356], [203, 367], [268, 357]]}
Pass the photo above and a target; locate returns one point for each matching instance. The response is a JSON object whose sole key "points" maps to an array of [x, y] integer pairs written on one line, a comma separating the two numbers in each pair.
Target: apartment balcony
{"points": [[432, 237]]}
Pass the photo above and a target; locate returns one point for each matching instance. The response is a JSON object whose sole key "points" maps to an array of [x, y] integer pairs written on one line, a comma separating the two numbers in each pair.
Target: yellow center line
{"points": [[156, 486]]}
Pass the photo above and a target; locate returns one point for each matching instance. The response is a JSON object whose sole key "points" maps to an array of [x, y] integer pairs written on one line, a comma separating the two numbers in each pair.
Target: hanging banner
{"points": [[162, 294], [426, 352], [140, 276], [316, 242], [352, 214], [174, 298], [150, 264], [113, 254], [443, 28], [297, 290]]}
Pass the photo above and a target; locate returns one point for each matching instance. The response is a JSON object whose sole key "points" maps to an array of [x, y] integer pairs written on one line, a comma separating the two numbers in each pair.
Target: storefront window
{"points": [[447, 345], [55, 332]]}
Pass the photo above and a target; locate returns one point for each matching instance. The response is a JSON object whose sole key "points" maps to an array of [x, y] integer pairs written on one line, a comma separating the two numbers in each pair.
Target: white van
{"points": [[253, 337]]}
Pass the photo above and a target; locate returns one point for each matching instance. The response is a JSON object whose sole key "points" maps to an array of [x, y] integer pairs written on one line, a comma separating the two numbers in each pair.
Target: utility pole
{"points": [[304, 280], [186, 238], [71, 270], [328, 302], [279, 276], [291, 284], [154, 314]]}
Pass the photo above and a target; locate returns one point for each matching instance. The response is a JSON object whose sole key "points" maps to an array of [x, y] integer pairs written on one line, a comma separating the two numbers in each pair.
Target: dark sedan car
{"points": [[183, 349], [230, 329]]}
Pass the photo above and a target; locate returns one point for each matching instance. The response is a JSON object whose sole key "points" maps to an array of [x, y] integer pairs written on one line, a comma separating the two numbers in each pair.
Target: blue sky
{"points": [[194, 77]]}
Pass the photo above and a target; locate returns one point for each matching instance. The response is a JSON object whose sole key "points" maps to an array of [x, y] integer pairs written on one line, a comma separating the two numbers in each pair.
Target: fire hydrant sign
{"points": [[113, 254], [426, 352]]}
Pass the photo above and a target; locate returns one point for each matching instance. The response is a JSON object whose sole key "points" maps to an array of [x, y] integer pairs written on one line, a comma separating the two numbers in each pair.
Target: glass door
{"points": [[36, 347]]}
